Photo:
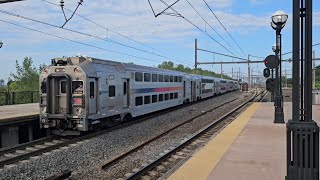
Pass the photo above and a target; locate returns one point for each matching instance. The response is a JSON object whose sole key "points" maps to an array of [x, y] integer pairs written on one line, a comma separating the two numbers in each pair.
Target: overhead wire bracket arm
{"points": [[67, 20], [164, 11]]}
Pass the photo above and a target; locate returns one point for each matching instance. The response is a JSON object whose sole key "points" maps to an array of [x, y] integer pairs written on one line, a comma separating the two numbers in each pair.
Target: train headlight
{"points": [[77, 70], [46, 71], [79, 111], [44, 110]]}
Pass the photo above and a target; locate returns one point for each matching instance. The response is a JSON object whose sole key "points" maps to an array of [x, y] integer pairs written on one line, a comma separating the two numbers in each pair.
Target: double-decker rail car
{"points": [[79, 93]]}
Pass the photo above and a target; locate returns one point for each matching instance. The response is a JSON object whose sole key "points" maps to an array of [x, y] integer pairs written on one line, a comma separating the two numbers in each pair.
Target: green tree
{"points": [[26, 77], [170, 66], [167, 65]]}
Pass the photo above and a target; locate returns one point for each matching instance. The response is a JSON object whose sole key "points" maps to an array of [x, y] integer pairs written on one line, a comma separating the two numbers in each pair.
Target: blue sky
{"points": [[247, 20]]}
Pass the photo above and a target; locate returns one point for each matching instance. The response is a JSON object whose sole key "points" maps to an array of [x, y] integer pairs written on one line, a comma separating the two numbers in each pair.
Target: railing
{"points": [[19, 97]]}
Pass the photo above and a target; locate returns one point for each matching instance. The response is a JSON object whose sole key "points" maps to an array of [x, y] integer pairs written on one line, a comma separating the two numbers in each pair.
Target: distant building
{"points": [[2, 83]]}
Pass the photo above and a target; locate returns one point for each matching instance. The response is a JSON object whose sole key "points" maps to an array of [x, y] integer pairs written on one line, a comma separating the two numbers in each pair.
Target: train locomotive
{"points": [[79, 93]]}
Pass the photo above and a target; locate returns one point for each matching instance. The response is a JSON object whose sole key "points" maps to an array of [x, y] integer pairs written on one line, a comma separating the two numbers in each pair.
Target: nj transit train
{"points": [[79, 93]]}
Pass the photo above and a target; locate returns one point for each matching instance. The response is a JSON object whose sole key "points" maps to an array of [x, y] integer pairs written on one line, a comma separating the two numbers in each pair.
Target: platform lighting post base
{"points": [[302, 150]]}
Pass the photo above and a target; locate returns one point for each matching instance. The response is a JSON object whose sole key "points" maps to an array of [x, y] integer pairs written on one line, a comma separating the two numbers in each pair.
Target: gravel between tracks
{"points": [[86, 158]]}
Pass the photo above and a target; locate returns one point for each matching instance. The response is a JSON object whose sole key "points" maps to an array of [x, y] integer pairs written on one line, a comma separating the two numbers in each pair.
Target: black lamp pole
{"points": [[278, 100], [302, 131]]}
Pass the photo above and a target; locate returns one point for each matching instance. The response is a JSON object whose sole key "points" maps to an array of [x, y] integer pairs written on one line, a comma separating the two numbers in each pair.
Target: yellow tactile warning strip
{"points": [[200, 165]]}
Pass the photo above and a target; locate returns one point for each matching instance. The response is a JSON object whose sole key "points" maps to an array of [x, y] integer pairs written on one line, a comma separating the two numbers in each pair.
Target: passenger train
{"points": [[79, 93]]}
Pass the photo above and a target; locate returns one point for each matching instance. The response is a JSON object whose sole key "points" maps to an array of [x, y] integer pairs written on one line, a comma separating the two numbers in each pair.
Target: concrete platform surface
{"points": [[12, 112], [252, 147]]}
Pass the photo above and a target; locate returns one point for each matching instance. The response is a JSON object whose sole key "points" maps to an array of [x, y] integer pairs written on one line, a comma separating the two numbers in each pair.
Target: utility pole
{"points": [[221, 75], [252, 80], [313, 70], [249, 84], [285, 74], [195, 56], [232, 73]]}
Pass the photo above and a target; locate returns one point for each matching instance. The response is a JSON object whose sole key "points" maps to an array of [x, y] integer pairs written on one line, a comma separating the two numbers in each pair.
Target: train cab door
{"points": [[93, 96], [61, 96], [126, 90]]}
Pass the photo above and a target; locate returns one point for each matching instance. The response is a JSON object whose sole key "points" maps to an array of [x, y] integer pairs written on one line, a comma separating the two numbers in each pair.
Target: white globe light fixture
{"points": [[1, 43], [279, 19]]}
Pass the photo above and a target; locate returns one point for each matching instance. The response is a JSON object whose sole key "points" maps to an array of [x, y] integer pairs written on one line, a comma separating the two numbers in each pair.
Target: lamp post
{"points": [[302, 130], [278, 22]]}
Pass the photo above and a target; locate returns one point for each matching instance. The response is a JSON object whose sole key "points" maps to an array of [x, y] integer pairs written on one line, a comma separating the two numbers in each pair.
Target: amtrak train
{"points": [[79, 93]]}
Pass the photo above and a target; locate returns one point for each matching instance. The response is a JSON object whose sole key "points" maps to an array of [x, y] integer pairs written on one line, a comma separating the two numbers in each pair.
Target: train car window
{"points": [[180, 78], [63, 87], [44, 86], [176, 79], [147, 77], [91, 89], [138, 76], [166, 78], [147, 100], [166, 97], [154, 77], [139, 101], [171, 95], [112, 91], [160, 78], [176, 95], [77, 87], [171, 78], [154, 98], [160, 97]]}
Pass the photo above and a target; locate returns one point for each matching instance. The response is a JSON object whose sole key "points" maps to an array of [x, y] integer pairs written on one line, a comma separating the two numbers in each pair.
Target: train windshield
{"points": [[77, 87]]}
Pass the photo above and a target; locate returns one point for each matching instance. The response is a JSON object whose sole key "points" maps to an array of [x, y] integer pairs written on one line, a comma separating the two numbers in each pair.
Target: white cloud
{"points": [[132, 18]]}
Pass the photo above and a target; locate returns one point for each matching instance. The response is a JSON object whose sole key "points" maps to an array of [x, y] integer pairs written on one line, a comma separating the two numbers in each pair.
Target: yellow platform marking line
{"points": [[200, 165]]}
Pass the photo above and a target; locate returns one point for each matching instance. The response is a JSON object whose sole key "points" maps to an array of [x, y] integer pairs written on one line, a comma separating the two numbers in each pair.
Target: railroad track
{"points": [[36, 148], [156, 168]]}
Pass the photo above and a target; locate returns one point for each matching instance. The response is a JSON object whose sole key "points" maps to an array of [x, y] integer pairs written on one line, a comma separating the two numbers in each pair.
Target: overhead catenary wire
{"points": [[211, 26], [177, 14], [78, 42], [85, 34], [300, 49], [224, 27], [119, 34]]}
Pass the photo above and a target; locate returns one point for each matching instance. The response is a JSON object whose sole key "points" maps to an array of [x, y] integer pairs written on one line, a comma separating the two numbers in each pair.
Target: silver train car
{"points": [[79, 93]]}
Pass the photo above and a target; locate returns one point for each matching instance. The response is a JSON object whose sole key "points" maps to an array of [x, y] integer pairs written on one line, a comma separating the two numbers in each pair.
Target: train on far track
{"points": [[78, 94]]}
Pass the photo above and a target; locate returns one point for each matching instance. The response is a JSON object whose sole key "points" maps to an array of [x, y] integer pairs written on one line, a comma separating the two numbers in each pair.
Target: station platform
{"points": [[18, 113], [251, 147]]}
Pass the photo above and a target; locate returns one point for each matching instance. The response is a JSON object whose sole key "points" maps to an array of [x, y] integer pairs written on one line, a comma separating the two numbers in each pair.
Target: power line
{"points": [[78, 42], [82, 33], [224, 27], [131, 39], [300, 49], [211, 26], [177, 14], [226, 55]]}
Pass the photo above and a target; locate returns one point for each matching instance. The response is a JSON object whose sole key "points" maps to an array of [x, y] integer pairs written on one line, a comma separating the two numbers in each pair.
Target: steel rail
{"points": [[91, 135], [153, 164], [11, 149], [118, 158]]}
